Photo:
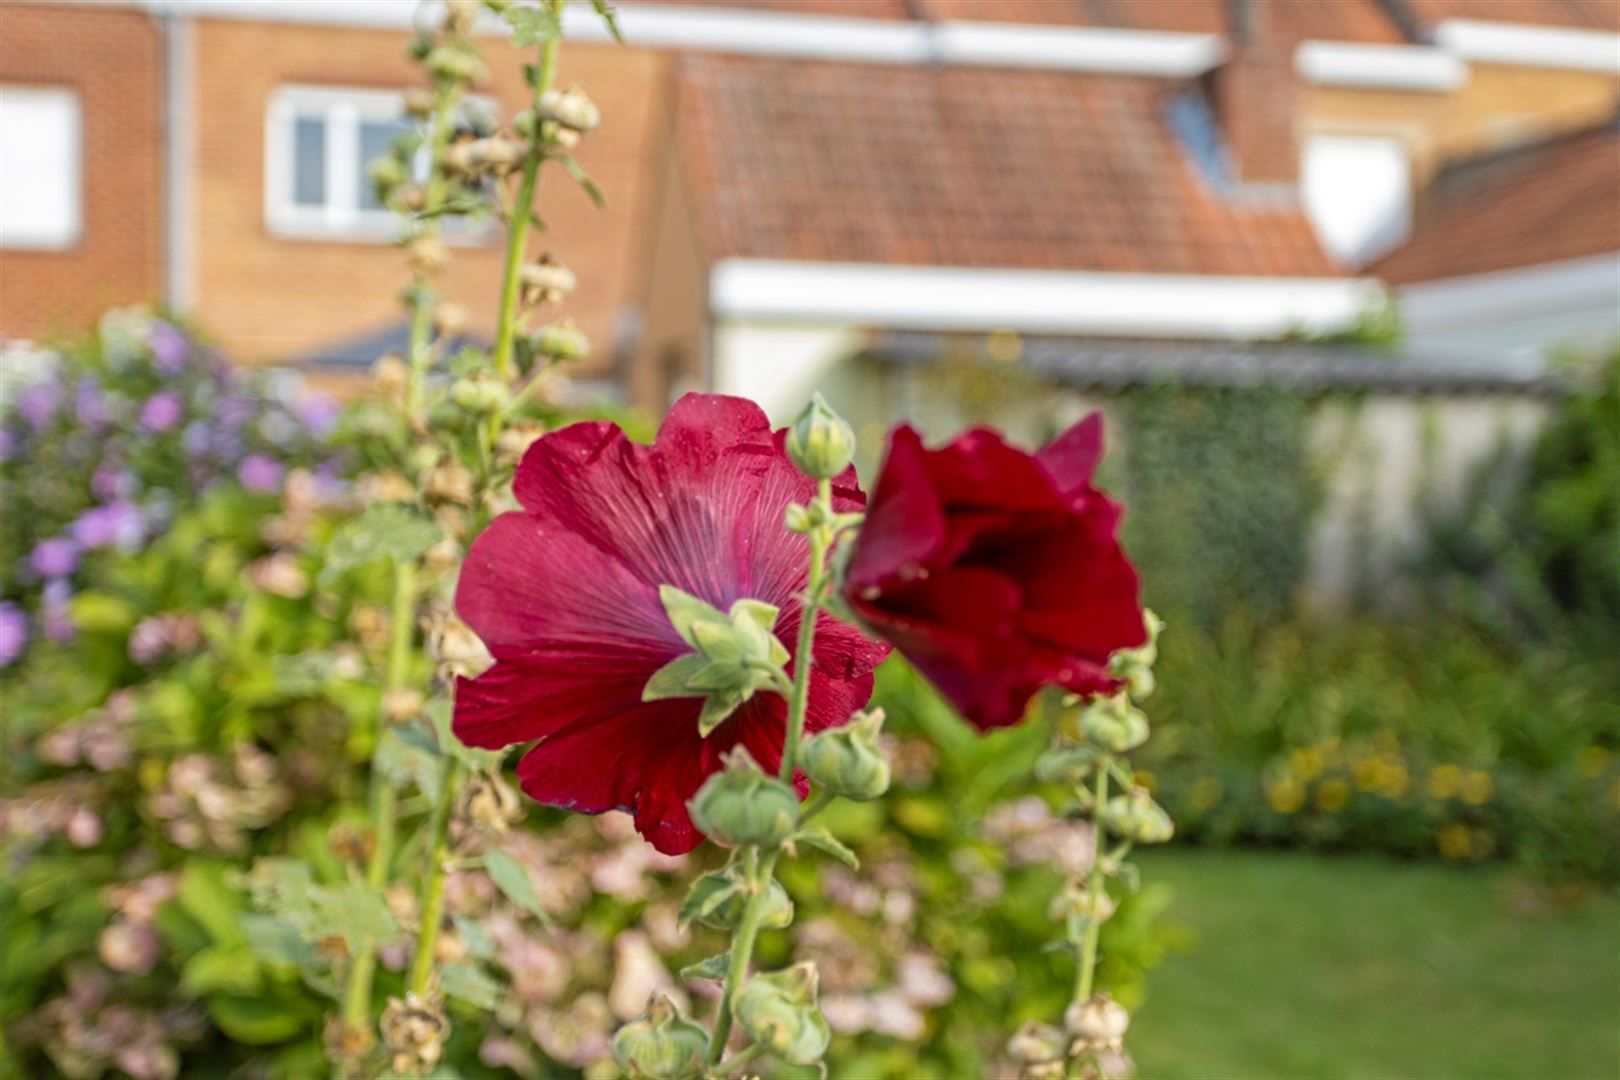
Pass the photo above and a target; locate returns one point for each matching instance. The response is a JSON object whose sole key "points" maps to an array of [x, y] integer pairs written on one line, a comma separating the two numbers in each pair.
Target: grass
{"points": [[1365, 968]]}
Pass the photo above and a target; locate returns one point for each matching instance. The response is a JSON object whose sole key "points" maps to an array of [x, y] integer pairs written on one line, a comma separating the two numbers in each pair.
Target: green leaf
{"points": [[302, 675], [387, 530], [705, 897], [404, 761], [253, 1020], [439, 712], [605, 9], [713, 967], [102, 613], [276, 941], [684, 610], [531, 26], [228, 969], [479, 943], [510, 877], [207, 897], [584, 181], [822, 840], [356, 913], [671, 680], [471, 983]]}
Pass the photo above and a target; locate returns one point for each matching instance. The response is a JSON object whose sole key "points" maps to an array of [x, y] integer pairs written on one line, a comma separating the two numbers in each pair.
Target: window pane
{"points": [[309, 161], [375, 137], [39, 167]]}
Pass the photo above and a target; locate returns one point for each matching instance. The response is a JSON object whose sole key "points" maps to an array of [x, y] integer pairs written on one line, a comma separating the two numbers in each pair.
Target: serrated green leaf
{"points": [[276, 941], [407, 762], [705, 897], [713, 967], [387, 530], [584, 181], [355, 912], [671, 680], [605, 10], [471, 983], [531, 26], [513, 881], [819, 838]]}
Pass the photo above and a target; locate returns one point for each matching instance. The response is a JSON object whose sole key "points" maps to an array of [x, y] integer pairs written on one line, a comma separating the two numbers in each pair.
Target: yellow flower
{"points": [[1455, 842], [1476, 787], [1395, 780], [1305, 763], [1332, 795], [1205, 793], [1368, 773], [1592, 761], [1444, 781], [1285, 795]]}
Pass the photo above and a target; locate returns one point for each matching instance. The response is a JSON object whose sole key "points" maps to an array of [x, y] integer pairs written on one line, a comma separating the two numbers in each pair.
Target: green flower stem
{"points": [[817, 803], [427, 936], [357, 995], [1094, 884], [420, 354], [517, 235], [738, 1060], [760, 872], [820, 541]]}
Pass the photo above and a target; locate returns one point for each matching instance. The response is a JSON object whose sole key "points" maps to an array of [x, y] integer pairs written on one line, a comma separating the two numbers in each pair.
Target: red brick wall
{"points": [[113, 59]]}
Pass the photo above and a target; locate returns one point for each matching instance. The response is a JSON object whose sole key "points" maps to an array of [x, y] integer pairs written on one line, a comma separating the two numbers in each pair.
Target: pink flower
{"points": [[565, 594]]}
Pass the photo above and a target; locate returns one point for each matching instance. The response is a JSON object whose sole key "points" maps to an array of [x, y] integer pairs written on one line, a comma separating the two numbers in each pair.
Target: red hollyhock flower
{"points": [[996, 572], [565, 594]]}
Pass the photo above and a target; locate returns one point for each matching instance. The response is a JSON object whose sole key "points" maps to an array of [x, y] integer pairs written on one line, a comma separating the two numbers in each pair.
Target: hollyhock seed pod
{"points": [[449, 319], [414, 1031], [458, 63], [1035, 1043], [495, 153], [479, 395], [401, 704], [661, 1044], [740, 805], [1078, 900], [1099, 1023], [561, 341], [418, 102], [571, 108], [820, 442], [778, 1011], [1114, 724], [847, 760], [545, 281], [487, 802], [1137, 818], [390, 374], [428, 254], [448, 482]]}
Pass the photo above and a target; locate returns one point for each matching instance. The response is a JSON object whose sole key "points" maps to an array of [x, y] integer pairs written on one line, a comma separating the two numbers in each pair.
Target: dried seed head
{"points": [[418, 102], [428, 254], [571, 108], [488, 803], [414, 1031], [448, 482], [401, 704], [449, 318], [1098, 1024], [389, 374]]}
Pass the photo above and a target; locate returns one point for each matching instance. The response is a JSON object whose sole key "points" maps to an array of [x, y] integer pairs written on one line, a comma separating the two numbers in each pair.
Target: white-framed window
{"points": [[319, 145], [1357, 191], [41, 168]]}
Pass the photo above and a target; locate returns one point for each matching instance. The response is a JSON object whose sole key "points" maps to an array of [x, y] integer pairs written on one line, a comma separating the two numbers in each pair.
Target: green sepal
{"points": [[818, 837]]}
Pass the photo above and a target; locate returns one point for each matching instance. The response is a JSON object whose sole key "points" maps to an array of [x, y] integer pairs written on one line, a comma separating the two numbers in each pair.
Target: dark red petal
{"points": [[979, 470], [1071, 458], [905, 523]]}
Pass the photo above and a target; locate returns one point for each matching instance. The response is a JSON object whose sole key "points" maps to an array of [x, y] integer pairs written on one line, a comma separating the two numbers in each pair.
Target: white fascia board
{"points": [[1507, 295], [1531, 46], [1068, 48], [353, 14], [763, 33], [1379, 67], [1033, 301]]}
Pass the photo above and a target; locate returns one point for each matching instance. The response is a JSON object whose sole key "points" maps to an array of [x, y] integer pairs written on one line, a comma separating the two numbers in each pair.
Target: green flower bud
{"points": [[1066, 764], [1136, 817], [846, 760], [1114, 724], [778, 1011], [661, 1044], [455, 62], [740, 805], [798, 519], [778, 912], [1135, 666], [478, 395], [1078, 900], [820, 442], [561, 341], [1035, 1043]]}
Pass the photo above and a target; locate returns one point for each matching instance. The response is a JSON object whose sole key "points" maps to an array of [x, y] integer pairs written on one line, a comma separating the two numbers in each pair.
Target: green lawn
{"points": [[1316, 966]]}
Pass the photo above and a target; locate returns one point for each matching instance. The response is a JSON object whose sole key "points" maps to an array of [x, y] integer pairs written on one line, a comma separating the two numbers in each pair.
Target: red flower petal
{"points": [[1071, 459]]}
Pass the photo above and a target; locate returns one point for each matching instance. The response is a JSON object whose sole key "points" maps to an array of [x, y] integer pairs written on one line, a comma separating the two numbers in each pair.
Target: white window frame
{"points": [[341, 217], [71, 232]]}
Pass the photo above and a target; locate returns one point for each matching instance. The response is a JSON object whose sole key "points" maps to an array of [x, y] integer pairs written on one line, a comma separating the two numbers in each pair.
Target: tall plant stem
{"points": [[427, 937], [517, 234], [420, 356], [1094, 886], [357, 995], [742, 949]]}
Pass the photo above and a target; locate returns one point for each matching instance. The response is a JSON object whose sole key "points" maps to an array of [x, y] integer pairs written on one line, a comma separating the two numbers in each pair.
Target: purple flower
{"points": [[118, 522], [318, 413], [234, 412], [13, 633], [89, 404], [169, 346], [111, 482], [54, 558], [161, 412], [8, 444], [54, 608], [261, 473], [37, 403]]}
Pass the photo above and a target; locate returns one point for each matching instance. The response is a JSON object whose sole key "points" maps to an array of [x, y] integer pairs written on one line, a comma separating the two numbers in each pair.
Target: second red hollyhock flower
{"points": [[565, 593], [995, 571]]}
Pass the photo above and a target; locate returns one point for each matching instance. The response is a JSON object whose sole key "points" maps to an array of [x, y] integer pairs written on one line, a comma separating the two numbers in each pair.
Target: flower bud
{"points": [[778, 1011], [661, 1044], [797, 519], [457, 62], [1078, 900], [418, 102], [1114, 724], [495, 153], [820, 442], [546, 281], [1135, 666], [1066, 764], [449, 319], [387, 173], [1137, 818], [561, 341], [428, 254], [570, 108], [461, 14], [478, 394], [847, 760], [1035, 1042], [778, 906], [1099, 1023], [740, 805]]}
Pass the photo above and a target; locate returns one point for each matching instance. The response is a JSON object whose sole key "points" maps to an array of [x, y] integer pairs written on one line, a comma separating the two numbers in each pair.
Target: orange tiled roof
{"points": [[1338, 20], [963, 167], [1576, 14], [1547, 203]]}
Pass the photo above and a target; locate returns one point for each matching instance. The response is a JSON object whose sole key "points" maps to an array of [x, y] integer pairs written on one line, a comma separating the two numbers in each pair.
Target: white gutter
{"points": [[1379, 67], [1509, 295], [1034, 301], [1531, 46], [1066, 48]]}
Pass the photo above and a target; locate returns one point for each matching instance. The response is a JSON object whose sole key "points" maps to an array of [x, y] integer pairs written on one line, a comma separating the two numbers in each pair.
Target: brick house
{"points": [[785, 177]]}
